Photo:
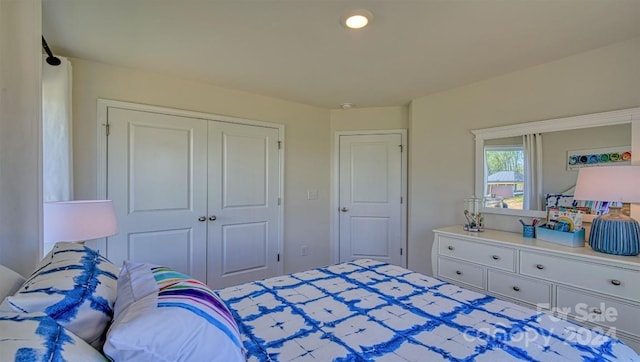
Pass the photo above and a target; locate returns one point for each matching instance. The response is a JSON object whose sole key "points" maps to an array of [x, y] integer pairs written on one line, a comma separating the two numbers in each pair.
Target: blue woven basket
{"points": [[619, 237]]}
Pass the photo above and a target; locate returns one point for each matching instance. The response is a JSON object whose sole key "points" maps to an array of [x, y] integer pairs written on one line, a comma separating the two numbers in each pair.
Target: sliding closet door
{"points": [[243, 234], [157, 179]]}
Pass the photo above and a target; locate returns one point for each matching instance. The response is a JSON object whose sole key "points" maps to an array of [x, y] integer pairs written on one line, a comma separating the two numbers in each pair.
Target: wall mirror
{"points": [[514, 172]]}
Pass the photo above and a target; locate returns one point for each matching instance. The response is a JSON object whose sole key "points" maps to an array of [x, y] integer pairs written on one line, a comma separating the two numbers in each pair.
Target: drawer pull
{"points": [[495, 257], [540, 266], [616, 282], [516, 288], [450, 247], [596, 311], [458, 272]]}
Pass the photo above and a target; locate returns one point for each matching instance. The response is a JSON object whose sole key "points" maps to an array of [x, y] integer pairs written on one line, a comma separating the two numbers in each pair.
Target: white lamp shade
{"points": [[609, 183], [79, 220]]}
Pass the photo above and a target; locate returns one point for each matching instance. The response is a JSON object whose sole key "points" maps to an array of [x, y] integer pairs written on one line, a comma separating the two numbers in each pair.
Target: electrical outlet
{"points": [[304, 250]]}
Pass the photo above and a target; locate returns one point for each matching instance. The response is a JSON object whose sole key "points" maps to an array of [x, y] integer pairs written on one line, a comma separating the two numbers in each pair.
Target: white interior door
{"points": [[370, 198], [157, 179], [244, 183]]}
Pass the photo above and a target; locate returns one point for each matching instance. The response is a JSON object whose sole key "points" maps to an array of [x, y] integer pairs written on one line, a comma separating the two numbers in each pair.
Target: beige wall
{"points": [[374, 118], [442, 152], [307, 142], [20, 134]]}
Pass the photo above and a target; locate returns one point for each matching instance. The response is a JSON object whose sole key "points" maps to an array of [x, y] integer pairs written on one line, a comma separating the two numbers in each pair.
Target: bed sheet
{"points": [[366, 310]]}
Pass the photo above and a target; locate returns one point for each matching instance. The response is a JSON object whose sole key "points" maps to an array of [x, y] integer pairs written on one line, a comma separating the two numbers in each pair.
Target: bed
{"points": [[78, 306], [367, 310]]}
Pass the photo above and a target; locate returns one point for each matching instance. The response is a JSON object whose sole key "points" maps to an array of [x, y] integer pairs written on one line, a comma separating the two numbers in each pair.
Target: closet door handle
{"points": [[213, 218], [540, 266], [495, 257], [202, 218], [458, 272], [450, 247], [616, 282], [516, 288]]}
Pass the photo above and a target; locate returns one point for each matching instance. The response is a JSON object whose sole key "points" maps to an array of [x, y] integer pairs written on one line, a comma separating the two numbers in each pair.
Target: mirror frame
{"points": [[624, 116]]}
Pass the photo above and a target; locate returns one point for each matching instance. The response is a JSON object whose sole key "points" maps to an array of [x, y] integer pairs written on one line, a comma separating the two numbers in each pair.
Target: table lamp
{"points": [[79, 221], [612, 233]]}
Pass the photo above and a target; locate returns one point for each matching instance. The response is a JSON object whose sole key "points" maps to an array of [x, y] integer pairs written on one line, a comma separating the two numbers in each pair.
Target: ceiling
{"points": [[297, 50]]}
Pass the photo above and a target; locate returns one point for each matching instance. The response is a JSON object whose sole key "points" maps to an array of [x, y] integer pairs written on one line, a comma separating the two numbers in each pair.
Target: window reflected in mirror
{"points": [[504, 176]]}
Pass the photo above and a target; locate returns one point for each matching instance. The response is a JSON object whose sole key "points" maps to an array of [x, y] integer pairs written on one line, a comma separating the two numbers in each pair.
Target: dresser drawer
{"points": [[519, 288], [461, 272], [489, 255], [596, 277], [601, 310]]}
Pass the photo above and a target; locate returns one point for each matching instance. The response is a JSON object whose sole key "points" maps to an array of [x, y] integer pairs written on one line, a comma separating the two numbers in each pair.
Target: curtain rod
{"points": [[51, 59]]}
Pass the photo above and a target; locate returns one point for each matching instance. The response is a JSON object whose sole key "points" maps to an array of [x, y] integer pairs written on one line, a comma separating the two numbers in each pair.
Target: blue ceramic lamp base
{"points": [[615, 234]]}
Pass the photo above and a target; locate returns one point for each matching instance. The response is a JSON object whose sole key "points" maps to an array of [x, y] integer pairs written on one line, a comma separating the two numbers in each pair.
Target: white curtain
{"points": [[56, 131], [532, 144]]}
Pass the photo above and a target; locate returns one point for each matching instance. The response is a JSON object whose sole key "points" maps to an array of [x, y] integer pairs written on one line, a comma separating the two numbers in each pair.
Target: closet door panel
{"points": [[158, 183], [243, 198], [196, 195]]}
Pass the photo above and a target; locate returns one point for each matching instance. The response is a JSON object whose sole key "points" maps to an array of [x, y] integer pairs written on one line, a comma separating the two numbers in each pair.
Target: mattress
{"points": [[367, 310]]}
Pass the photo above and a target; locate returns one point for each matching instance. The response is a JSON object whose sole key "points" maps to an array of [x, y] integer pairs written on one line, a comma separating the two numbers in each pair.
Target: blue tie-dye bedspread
{"points": [[371, 311]]}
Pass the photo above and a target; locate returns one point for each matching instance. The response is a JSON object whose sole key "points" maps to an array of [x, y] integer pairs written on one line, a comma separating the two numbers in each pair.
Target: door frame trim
{"points": [[103, 106], [335, 188]]}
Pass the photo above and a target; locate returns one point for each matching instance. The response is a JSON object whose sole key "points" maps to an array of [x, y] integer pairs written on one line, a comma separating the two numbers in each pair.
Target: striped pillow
{"points": [[163, 315]]}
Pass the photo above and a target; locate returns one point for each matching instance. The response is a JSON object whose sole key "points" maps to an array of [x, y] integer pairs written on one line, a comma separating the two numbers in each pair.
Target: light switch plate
{"points": [[312, 194]]}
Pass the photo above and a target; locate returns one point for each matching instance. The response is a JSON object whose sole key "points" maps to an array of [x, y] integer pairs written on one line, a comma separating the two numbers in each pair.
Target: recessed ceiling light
{"points": [[347, 105], [357, 19]]}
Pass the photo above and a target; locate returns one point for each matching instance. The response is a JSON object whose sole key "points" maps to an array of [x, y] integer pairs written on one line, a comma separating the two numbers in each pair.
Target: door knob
{"points": [[202, 218], [344, 209], [213, 218]]}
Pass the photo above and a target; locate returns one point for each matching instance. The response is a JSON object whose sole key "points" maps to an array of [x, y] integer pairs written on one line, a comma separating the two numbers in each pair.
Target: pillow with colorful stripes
{"points": [[38, 337], [75, 286], [163, 315]]}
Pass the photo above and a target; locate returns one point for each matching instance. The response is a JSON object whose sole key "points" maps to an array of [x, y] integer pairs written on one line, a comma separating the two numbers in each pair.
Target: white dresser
{"points": [[597, 290]]}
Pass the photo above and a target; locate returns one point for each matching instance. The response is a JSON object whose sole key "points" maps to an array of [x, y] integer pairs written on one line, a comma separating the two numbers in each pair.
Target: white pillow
{"points": [[10, 281], [75, 286], [37, 337], [162, 315]]}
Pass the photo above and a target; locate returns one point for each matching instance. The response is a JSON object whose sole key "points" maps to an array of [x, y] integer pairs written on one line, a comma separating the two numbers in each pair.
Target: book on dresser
{"points": [[597, 290]]}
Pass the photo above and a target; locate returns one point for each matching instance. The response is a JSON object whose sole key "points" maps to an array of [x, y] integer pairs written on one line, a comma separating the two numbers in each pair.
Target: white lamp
{"points": [[612, 233], [79, 221]]}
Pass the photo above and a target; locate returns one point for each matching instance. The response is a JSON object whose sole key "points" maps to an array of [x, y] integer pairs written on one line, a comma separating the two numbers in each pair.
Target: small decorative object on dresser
{"points": [[475, 220], [592, 289], [612, 233]]}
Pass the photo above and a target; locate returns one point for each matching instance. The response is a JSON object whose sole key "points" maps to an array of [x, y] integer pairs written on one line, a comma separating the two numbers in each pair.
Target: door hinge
{"points": [[279, 144], [279, 201], [401, 148], [401, 200], [107, 129], [278, 258], [400, 251]]}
